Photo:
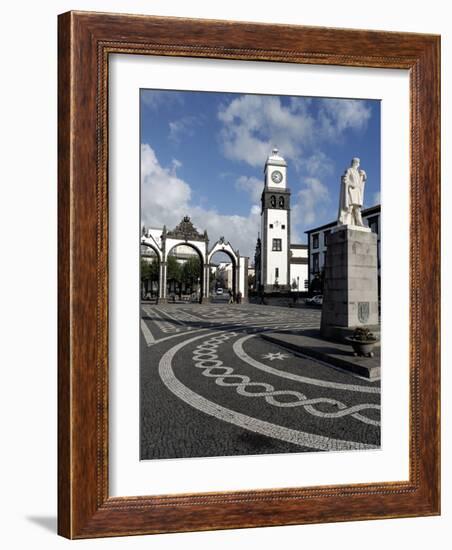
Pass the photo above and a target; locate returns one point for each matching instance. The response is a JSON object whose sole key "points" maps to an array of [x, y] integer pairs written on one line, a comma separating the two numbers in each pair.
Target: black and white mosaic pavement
{"points": [[211, 386]]}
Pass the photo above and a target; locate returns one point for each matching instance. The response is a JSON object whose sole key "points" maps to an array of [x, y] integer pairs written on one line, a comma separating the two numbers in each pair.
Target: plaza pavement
{"points": [[210, 385]]}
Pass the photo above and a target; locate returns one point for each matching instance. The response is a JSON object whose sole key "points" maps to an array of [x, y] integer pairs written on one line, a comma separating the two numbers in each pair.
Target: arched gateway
{"points": [[186, 234]]}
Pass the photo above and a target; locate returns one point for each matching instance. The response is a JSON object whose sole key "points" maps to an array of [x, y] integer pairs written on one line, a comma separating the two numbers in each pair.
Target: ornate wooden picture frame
{"points": [[86, 40]]}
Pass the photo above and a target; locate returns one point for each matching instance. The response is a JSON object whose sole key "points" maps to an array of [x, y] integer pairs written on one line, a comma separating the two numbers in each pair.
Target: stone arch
{"points": [[149, 243], [171, 244], [185, 233], [199, 247], [222, 246]]}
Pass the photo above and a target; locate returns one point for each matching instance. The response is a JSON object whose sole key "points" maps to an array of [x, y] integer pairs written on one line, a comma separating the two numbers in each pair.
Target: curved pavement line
{"points": [[263, 326], [270, 391], [255, 425], [241, 354]]}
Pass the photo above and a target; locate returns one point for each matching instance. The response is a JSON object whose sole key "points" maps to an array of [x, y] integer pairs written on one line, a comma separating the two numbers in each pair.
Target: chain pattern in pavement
{"points": [[252, 424], [206, 358]]}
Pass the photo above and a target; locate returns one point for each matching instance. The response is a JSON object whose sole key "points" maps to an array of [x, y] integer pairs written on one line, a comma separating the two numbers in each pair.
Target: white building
{"points": [[299, 267], [279, 264], [223, 272], [318, 240]]}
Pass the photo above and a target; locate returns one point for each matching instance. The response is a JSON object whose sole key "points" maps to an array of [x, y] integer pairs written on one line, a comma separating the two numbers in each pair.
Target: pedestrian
{"points": [[231, 296], [239, 297]]}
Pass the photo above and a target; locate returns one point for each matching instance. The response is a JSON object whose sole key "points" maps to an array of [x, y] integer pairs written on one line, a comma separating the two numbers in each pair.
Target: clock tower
{"points": [[275, 226]]}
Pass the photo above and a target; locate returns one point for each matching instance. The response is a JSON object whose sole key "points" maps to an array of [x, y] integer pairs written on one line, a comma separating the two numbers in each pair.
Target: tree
{"points": [[144, 269], [191, 270], [174, 270], [149, 272], [149, 269], [173, 275]]}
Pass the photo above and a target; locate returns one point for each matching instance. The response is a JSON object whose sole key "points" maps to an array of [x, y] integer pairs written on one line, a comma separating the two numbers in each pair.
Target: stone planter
{"points": [[362, 348]]}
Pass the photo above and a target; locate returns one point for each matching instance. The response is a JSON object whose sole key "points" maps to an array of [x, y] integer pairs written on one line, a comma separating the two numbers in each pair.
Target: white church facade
{"points": [[280, 265]]}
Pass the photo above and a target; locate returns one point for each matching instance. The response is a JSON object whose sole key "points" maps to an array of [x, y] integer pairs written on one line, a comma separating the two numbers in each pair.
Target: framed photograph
{"points": [[248, 275]]}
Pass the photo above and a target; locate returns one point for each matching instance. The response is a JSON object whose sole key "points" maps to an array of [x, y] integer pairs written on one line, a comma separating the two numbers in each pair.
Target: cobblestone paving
{"points": [[210, 386]]}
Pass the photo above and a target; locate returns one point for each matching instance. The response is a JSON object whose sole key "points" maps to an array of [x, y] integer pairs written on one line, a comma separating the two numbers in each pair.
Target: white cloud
{"points": [[176, 164], [181, 127], [253, 124], [317, 165], [156, 99], [312, 201], [166, 198], [338, 115], [252, 185], [240, 231]]}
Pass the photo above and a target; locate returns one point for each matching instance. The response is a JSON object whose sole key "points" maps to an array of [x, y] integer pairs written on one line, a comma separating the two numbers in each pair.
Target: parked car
{"points": [[219, 291], [316, 300]]}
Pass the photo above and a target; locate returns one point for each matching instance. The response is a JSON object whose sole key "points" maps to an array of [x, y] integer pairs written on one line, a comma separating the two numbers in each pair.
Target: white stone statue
{"points": [[351, 198]]}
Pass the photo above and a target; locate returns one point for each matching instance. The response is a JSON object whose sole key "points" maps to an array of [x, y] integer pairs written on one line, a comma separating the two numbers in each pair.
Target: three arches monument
{"points": [[186, 234]]}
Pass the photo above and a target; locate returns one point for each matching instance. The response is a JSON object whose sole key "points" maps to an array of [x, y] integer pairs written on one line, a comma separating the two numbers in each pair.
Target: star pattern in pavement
{"points": [[272, 356]]}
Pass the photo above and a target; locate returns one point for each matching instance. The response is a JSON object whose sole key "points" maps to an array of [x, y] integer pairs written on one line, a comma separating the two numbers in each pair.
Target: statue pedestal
{"points": [[350, 295]]}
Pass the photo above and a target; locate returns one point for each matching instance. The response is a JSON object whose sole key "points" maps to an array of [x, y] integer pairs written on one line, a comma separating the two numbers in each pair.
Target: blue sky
{"points": [[203, 153]]}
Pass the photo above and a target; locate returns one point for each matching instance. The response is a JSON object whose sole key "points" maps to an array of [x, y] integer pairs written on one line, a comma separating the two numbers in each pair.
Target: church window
{"points": [[281, 202], [277, 245], [271, 226], [283, 226], [273, 201]]}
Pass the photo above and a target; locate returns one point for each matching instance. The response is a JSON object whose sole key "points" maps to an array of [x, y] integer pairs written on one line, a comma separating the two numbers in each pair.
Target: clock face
{"points": [[277, 176]]}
